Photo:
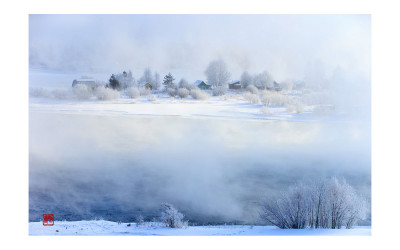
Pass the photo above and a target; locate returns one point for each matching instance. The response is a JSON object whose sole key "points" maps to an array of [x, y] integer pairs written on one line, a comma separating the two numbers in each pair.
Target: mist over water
{"points": [[117, 167]]}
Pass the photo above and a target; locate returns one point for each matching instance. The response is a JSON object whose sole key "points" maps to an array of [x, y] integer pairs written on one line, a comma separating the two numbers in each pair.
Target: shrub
{"points": [[252, 89], [273, 98], [199, 94], [183, 93], [132, 92], [171, 217], [82, 91], [219, 90], [103, 93], [171, 92], [325, 204], [252, 98]]}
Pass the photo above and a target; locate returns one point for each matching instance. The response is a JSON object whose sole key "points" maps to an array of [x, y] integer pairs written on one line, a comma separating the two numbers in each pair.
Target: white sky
{"points": [[285, 45]]}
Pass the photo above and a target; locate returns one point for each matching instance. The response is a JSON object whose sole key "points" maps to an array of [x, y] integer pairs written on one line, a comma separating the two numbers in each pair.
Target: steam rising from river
{"points": [[214, 171]]}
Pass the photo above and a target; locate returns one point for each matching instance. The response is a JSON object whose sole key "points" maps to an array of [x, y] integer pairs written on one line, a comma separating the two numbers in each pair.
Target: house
{"points": [[235, 84], [91, 83], [146, 85], [201, 84]]}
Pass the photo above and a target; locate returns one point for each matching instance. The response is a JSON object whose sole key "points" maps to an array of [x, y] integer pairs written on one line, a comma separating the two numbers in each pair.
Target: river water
{"points": [[214, 171]]}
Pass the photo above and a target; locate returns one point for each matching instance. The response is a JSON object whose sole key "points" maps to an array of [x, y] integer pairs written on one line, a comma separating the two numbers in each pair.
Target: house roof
{"points": [[142, 84], [198, 82], [234, 82]]}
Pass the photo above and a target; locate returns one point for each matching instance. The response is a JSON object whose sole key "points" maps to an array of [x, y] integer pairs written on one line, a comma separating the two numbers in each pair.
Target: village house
{"points": [[146, 85], [201, 84], [91, 83], [235, 84]]}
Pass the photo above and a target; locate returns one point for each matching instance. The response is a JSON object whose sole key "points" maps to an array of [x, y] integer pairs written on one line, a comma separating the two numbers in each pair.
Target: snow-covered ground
{"points": [[215, 107], [101, 227]]}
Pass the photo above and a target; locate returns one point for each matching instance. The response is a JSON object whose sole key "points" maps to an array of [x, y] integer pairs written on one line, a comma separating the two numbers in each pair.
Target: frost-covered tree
{"points": [[326, 204], [263, 80], [246, 79], [217, 73], [169, 81], [171, 216], [126, 79]]}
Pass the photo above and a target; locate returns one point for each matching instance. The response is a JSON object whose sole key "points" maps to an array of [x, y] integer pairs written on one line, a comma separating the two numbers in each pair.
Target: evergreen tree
{"points": [[168, 81], [114, 83]]}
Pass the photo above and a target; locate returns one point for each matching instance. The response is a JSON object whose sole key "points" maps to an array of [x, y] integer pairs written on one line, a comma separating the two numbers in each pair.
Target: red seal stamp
{"points": [[48, 219]]}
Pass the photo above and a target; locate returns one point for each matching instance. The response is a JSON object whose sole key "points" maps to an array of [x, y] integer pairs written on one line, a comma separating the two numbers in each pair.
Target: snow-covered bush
{"points": [[183, 93], [273, 98], [199, 94], [325, 204], [171, 216], [219, 90], [144, 91], [252, 98], [132, 92], [103, 93], [252, 89], [171, 92], [82, 92]]}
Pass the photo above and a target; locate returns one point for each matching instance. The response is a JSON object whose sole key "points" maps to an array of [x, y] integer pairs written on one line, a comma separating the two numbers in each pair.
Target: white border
{"points": [[14, 125]]}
